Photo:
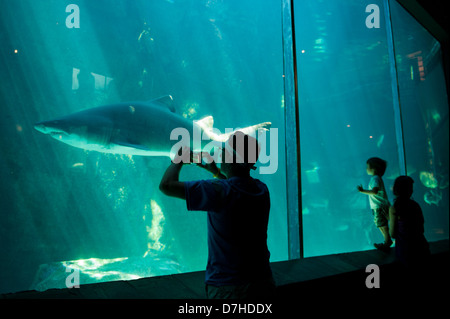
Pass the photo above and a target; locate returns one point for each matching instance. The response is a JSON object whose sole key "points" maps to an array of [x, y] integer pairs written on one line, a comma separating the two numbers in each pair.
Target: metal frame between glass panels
{"points": [[395, 89], [292, 131]]}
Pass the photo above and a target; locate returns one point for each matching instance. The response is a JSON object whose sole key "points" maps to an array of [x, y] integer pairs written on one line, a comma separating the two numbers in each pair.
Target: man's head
{"points": [[239, 154]]}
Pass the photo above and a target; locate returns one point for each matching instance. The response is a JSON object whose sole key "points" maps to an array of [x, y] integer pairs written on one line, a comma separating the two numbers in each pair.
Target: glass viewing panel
{"points": [[346, 117], [424, 106], [66, 208]]}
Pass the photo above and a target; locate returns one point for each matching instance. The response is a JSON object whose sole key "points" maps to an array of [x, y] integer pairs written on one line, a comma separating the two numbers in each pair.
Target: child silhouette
{"points": [[378, 199]]}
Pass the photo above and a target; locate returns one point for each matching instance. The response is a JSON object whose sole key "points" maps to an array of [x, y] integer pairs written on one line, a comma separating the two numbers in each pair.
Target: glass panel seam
{"points": [[395, 89], [293, 181]]}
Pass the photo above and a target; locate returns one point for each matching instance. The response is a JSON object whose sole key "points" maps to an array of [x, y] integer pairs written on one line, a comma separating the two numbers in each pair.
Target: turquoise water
{"points": [[66, 208], [63, 205], [347, 115]]}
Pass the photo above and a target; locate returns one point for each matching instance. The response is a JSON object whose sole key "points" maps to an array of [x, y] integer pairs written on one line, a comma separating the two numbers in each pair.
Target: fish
{"points": [[380, 140], [428, 179], [135, 128], [432, 197]]}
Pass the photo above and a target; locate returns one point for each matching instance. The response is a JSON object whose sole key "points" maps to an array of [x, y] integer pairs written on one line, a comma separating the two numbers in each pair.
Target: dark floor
{"points": [[313, 276]]}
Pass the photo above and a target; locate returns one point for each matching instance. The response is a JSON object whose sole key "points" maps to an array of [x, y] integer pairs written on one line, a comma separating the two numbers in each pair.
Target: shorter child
{"points": [[411, 247], [378, 199]]}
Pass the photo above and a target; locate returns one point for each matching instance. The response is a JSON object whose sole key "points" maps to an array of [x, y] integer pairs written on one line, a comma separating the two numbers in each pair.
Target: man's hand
{"points": [[209, 165], [184, 156]]}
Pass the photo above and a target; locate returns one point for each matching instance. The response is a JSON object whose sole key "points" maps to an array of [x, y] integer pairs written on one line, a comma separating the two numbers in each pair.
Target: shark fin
{"points": [[165, 102], [252, 130], [206, 123], [249, 130]]}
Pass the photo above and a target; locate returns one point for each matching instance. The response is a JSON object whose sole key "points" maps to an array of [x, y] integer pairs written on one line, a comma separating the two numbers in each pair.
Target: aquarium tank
{"points": [[340, 82]]}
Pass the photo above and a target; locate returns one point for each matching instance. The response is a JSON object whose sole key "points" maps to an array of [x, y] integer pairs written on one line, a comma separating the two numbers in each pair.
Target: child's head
{"points": [[376, 166], [403, 187]]}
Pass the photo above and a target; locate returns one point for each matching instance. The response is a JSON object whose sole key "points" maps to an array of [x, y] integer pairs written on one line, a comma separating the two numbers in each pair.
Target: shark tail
{"points": [[207, 126]]}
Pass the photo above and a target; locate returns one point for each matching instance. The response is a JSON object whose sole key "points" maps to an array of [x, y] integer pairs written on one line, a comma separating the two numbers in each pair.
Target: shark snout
{"points": [[49, 127], [41, 127]]}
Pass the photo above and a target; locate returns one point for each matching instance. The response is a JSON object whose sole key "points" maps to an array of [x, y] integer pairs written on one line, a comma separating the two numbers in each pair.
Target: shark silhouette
{"points": [[135, 128]]}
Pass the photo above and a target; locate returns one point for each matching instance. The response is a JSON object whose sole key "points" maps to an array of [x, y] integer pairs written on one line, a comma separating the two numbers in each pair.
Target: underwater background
{"points": [[65, 208], [347, 101]]}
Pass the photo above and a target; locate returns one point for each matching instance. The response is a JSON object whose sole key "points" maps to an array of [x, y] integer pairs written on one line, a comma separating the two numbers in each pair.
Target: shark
{"points": [[136, 128]]}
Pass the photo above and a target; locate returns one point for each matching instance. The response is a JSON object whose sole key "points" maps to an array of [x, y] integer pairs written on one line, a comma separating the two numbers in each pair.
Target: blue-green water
{"points": [[347, 115], [62, 204], [64, 207]]}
